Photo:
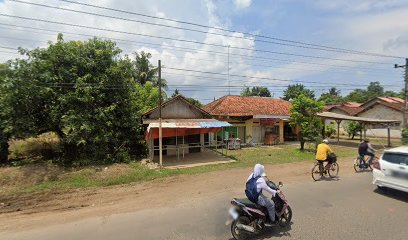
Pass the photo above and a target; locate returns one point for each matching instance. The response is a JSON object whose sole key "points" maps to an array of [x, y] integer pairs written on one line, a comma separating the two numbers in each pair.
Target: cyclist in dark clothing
{"points": [[365, 149]]}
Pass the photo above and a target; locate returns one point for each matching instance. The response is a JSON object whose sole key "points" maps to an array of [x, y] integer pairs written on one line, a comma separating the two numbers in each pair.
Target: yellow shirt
{"points": [[322, 150]]}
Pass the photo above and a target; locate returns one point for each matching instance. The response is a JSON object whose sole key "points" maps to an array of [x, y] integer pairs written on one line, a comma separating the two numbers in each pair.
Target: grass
{"points": [[135, 172]]}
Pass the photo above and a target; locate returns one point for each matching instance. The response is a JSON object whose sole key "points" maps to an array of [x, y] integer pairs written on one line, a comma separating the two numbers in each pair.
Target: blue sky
{"points": [[363, 25]]}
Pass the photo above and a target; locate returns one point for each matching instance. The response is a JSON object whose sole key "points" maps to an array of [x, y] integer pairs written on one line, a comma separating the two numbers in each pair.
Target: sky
{"points": [[271, 43]]}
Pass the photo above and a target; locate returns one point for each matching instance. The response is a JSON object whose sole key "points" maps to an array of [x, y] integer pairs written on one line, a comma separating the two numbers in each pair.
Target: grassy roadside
{"points": [[135, 172]]}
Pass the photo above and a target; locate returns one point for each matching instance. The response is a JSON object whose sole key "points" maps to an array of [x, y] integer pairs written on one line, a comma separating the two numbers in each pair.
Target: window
{"points": [[396, 158]]}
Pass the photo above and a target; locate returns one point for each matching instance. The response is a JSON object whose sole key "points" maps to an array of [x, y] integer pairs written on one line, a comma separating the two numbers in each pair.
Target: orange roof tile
{"points": [[248, 106]]}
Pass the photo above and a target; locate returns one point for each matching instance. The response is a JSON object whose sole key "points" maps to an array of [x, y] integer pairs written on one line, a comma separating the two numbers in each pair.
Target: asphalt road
{"points": [[349, 208]]}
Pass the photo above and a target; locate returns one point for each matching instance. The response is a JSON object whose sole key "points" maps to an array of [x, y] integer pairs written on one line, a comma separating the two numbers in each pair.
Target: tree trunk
{"points": [[302, 145], [352, 136], [4, 148], [70, 153]]}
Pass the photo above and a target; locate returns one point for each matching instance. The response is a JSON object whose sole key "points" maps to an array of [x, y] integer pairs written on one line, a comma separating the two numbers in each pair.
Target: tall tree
{"points": [[296, 90], [303, 113], [5, 127], [256, 91], [145, 71], [191, 100], [331, 97], [83, 91], [375, 89]]}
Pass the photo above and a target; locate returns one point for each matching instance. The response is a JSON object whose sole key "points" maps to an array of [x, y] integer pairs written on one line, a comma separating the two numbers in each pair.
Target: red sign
{"points": [[267, 121]]}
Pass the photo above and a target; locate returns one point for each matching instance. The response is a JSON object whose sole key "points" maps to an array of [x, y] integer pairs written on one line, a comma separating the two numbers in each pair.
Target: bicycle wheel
{"points": [[334, 170], [357, 164], [316, 173]]}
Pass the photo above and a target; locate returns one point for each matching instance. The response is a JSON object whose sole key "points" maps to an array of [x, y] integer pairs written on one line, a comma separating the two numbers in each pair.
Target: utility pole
{"points": [[229, 90], [160, 119], [405, 117]]}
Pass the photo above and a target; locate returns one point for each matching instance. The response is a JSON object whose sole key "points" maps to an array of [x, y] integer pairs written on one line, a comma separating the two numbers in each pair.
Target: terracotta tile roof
{"points": [[351, 104], [248, 106], [391, 99], [349, 110]]}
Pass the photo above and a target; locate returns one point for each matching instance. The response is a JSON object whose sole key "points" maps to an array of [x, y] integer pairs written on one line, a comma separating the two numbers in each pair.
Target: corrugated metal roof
{"points": [[212, 124], [336, 116]]}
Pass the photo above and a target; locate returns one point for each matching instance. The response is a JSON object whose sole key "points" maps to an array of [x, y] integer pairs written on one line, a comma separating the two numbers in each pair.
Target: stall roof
{"points": [[190, 124], [336, 116]]}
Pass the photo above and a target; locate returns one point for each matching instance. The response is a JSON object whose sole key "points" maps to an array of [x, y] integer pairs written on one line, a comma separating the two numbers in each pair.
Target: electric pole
{"points": [[229, 90], [405, 117], [160, 119]]}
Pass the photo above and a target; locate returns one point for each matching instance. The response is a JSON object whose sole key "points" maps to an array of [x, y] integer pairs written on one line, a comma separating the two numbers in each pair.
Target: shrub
{"points": [[329, 130]]}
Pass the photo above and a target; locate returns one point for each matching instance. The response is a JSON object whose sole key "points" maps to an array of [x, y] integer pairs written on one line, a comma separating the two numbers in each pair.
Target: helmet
{"points": [[326, 141]]}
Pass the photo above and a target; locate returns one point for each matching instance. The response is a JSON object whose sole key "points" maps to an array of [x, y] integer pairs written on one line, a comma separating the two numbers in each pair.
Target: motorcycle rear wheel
{"points": [[237, 233]]}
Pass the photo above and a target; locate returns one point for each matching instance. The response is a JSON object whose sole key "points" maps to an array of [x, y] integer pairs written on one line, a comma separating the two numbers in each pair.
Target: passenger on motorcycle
{"points": [[254, 187], [323, 153], [365, 149]]}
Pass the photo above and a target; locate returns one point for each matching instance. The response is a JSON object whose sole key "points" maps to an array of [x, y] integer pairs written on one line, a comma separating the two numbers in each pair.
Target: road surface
{"points": [[348, 208]]}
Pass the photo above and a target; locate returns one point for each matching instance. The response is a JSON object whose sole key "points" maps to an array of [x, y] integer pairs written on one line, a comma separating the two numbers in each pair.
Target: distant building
{"points": [[257, 120], [387, 108]]}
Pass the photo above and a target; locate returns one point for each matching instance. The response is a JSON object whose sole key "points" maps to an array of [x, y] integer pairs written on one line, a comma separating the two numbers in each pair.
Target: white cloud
{"points": [[240, 4]]}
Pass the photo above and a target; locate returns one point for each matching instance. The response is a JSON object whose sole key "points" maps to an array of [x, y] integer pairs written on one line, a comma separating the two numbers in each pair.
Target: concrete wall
{"points": [[386, 113]]}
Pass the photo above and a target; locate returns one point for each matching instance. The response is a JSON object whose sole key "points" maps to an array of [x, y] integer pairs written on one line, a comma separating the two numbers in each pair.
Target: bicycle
{"points": [[318, 170], [364, 164]]}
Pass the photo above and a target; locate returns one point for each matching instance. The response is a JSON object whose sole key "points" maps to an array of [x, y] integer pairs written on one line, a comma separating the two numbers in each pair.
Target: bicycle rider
{"points": [[365, 149], [323, 154]]}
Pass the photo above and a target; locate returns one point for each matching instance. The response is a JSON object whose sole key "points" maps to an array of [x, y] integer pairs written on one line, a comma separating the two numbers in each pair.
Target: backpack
{"points": [[251, 190], [362, 148]]}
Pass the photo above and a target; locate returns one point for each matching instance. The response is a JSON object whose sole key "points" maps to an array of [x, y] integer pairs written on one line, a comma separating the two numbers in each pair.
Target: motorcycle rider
{"points": [[254, 187], [365, 149], [323, 153]]}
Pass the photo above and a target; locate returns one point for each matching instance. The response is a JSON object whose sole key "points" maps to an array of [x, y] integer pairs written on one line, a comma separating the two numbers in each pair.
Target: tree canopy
{"points": [[85, 92], [256, 91], [374, 89], [191, 100], [303, 113], [296, 90], [333, 96]]}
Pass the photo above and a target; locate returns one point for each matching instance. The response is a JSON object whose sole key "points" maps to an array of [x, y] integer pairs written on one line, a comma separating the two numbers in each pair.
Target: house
{"points": [[185, 128], [257, 120], [387, 108]]}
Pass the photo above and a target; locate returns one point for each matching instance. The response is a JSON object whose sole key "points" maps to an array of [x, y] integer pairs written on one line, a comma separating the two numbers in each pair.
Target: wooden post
{"points": [[177, 148], [281, 131], [338, 130], [361, 132], [389, 136], [323, 129]]}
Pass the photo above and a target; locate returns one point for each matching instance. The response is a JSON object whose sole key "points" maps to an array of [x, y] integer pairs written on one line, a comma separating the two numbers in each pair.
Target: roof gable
{"points": [[177, 107]]}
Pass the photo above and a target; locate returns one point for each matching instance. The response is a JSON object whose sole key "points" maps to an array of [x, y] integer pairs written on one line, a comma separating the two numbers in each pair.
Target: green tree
{"points": [[353, 128], [256, 91], [303, 113], [191, 100], [296, 90], [331, 97], [145, 71], [85, 93], [375, 89], [357, 95], [5, 126]]}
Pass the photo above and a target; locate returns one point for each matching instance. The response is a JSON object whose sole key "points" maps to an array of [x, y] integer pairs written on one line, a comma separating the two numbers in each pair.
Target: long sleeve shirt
{"points": [[261, 183]]}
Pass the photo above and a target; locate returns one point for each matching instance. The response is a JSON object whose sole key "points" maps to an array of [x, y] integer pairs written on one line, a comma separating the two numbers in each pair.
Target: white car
{"points": [[391, 170]]}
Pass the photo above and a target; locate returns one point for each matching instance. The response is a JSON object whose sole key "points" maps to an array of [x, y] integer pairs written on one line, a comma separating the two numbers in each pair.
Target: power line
{"points": [[189, 29], [253, 58], [244, 76], [189, 41], [321, 47]]}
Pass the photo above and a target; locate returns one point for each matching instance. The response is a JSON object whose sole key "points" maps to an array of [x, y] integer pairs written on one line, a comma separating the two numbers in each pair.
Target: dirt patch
{"points": [[29, 210]]}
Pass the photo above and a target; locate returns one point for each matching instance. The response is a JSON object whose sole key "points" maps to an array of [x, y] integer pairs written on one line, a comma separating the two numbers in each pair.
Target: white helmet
{"points": [[326, 141]]}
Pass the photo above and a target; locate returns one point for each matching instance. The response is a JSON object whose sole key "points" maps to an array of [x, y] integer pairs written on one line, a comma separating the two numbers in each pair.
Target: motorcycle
{"points": [[248, 218]]}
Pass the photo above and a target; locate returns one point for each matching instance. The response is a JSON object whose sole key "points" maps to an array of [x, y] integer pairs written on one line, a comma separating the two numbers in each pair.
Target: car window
{"points": [[396, 158]]}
